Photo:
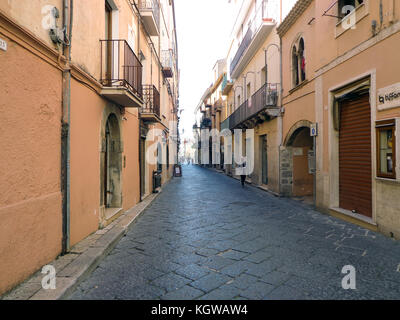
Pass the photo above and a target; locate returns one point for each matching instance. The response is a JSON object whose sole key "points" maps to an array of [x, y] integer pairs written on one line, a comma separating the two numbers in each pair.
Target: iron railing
{"points": [[167, 58], [151, 100], [225, 124], [265, 97], [120, 66], [206, 123], [264, 11], [242, 48], [154, 7]]}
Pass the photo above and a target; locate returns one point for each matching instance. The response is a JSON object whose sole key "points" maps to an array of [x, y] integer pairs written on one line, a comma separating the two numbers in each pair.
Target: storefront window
{"points": [[386, 149]]}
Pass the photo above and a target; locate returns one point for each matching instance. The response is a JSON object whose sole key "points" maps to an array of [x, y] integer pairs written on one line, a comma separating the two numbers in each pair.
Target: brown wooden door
{"points": [[355, 160]]}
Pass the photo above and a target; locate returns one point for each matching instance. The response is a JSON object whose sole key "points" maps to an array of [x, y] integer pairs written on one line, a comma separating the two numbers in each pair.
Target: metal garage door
{"points": [[355, 164]]}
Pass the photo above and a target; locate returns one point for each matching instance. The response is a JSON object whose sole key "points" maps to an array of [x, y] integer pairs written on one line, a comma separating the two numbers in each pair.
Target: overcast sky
{"points": [[203, 29]]}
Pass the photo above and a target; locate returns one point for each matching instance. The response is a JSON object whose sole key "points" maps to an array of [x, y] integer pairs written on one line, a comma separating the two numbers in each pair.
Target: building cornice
{"points": [[294, 14], [25, 38]]}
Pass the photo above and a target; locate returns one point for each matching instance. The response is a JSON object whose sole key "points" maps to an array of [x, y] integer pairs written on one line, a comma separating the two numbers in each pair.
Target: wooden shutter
{"points": [[355, 159]]}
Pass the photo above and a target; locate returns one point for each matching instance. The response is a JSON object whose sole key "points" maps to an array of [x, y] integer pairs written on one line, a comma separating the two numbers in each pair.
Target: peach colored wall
{"points": [[336, 46], [130, 173], [30, 137], [86, 117], [86, 120], [338, 58], [385, 64], [30, 15]]}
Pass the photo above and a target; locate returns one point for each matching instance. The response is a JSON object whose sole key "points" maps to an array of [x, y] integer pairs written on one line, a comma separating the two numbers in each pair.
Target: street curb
{"points": [[74, 267]]}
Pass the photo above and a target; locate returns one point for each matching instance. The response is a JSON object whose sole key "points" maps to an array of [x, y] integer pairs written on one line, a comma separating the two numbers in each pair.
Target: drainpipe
{"points": [[280, 118], [139, 118], [66, 135]]}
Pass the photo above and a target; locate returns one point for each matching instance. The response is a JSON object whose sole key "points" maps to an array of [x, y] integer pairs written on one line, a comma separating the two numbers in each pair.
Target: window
{"points": [[386, 149], [302, 61], [295, 69], [264, 75], [108, 21], [347, 6], [298, 62]]}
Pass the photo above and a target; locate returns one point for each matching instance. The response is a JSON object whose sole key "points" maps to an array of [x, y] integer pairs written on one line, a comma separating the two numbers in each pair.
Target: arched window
{"points": [[302, 61], [295, 68], [298, 62]]}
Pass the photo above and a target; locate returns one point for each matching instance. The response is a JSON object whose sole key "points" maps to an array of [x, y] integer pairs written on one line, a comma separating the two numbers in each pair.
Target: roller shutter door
{"points": [[355, 160]]}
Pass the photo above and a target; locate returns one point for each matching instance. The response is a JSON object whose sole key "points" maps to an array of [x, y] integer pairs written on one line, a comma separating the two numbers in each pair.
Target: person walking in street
{"points": [[243, 175]]}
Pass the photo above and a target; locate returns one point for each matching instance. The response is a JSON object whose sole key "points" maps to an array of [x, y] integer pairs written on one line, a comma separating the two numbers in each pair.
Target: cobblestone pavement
{"points": [[205, 237]]}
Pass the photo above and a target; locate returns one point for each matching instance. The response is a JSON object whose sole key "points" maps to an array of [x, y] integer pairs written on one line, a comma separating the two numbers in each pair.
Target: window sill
{"points": [[388, 180], [360, 12], [298, 87]]}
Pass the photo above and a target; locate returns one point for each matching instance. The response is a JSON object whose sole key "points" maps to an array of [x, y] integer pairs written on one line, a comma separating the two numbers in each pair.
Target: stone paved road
{"points": [[206, 238]]}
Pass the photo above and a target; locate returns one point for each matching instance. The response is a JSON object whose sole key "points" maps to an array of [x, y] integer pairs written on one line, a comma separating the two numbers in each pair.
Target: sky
{"points": [[203, 29]]}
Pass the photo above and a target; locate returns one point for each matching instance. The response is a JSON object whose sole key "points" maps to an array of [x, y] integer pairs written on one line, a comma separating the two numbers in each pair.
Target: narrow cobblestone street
{"points": [[205, 237]]}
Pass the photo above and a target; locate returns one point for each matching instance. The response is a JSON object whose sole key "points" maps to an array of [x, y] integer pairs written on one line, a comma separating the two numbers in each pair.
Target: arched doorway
{"points": [[303, 180], [111, 167], [296, 176]]}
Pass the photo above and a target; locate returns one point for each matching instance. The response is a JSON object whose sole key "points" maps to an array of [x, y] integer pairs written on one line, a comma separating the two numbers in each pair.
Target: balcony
{"points": [[226, 86], [206, 123], [218, 105], [167, 63], [121, 73], [225, 124], [150, 12], [262, 105], [258, 31], [150, 112]]}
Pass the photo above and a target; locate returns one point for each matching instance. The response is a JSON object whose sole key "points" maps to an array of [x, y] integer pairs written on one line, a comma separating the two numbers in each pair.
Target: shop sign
{"points": [[389, 97]]}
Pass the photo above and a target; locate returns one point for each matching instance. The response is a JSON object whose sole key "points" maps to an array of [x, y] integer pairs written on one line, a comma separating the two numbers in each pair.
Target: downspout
{"points": [[280, 118], [139, 119], [66, 135]]}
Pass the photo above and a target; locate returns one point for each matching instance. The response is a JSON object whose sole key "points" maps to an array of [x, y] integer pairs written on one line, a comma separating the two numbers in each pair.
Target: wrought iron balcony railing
{"points": [[225, 124], [151, 100], [120, 66], [153, 7], [167, 62], [265, 97], [264, 12], [206, 123]]}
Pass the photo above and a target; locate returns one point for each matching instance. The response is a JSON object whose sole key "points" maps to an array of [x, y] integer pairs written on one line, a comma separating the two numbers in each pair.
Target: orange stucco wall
{"points": [[86, 112], [336, 58], [30, 135], [131, 172], [87, 109], [30, 130]]}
